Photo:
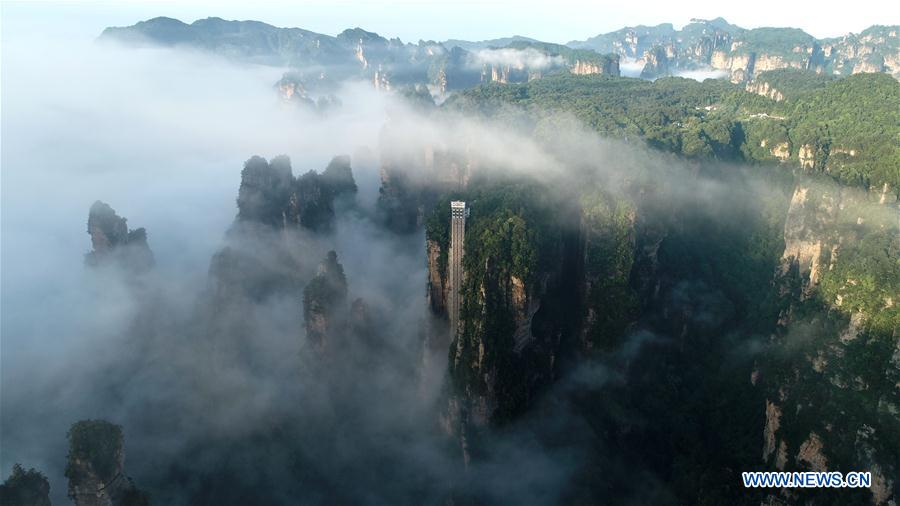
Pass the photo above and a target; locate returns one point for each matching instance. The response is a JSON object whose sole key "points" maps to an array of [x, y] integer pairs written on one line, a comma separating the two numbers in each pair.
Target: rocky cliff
{"points": [[875, 49], [657, 63], [325, 304], [265, 255], [270, 195], [114, 244], [608, 66], [743, 54], [830, 376], [764, 88], [96, 466]]}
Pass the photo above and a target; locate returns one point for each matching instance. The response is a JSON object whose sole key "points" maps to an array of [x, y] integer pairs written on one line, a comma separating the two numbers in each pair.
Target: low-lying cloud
{"points": [[528, 58], [703, 74]]}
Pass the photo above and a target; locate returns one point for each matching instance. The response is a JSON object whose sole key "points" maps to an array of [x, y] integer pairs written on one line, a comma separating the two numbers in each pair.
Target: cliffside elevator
{"points": [[458, 214]]}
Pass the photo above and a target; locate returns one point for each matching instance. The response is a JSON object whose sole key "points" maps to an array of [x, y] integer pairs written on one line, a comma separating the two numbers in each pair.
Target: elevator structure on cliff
{"points": [[458, 214]]}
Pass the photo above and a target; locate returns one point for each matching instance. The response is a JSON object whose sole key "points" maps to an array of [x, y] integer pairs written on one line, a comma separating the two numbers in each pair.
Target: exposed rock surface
{"points": [[437, 282], [820, 389], [609, 67], [810, 453], [765, 89], [773, 422], [657, 63]]}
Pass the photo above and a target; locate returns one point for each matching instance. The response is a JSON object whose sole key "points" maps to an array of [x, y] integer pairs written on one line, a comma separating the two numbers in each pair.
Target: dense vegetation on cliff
{"points": [[723, 278], [513, 236], [846, 128]]}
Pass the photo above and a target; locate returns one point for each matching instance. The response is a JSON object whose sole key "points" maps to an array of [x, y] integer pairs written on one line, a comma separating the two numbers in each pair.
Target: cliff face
{"points": [[325, 301], [261, 259], [96, 467], [269, 194], [509, 345], [747, 53], [876, 49], [831, 373], [539, 296], [539, 290], [265, 192], [764, 89], [657, 63], [437, 281], [344, 336], [114, 244], [743, 64]]}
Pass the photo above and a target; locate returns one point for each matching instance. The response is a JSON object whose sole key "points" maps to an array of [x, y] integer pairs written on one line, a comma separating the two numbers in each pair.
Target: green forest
{"points": [[844, 128]]}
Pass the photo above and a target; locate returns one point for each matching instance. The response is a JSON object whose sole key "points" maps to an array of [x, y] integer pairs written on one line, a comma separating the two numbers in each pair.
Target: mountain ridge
{"points": [[735, 52]]}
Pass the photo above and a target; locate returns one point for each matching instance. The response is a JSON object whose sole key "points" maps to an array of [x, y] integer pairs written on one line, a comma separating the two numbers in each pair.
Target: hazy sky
{"points": [[556, 21]]}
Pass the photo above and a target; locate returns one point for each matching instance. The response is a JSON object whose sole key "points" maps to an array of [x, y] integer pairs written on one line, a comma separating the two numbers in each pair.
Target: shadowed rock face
{"points": [[339, 176], [96, 466], [25, 488], [270, 194], [274, 210], [265, 193], [324, 300], [114, 244]]}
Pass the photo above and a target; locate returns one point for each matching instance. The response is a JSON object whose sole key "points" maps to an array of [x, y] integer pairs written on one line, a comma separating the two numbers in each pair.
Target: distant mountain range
{"points": [[744, 53], [654, 51]]}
